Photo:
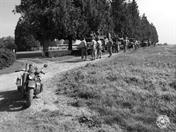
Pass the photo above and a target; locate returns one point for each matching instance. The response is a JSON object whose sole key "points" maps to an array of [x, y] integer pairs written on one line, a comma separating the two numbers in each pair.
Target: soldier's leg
{"points": [[85, 53], [118, 47], [124, 48], [108, 48], [95, 53], [92, 53], [82, 56], [116, 50], [100, 53], [111, 51]]}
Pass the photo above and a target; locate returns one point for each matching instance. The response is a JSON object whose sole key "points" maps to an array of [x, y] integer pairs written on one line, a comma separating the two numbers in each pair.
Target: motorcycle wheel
{"points": [[30, 95]]}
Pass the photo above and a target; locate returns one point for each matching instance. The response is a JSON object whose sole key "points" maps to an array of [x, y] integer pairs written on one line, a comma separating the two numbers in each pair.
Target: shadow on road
{"points": [[11, 101], [72, 61]]}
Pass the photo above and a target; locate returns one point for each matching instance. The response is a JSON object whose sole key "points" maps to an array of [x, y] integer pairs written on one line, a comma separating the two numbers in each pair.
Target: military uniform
{"points": [[126, 44], [99, 49], [94, 49], [109, 45], [83, 50]]}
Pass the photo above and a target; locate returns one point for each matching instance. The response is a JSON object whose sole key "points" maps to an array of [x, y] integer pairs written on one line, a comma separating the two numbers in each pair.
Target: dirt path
{"points": [[12, 111]]}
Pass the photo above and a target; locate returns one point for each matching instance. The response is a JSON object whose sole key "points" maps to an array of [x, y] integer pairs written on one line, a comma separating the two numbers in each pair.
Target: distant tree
{"points": [[145, 29], [154, 35], [134, 19], [46, 20], [127, 21], [7, 43], [119, 16], [24, 40]]}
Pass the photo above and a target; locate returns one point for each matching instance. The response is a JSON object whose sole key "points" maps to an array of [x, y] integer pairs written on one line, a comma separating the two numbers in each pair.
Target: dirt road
{"points": [[13, 114]]}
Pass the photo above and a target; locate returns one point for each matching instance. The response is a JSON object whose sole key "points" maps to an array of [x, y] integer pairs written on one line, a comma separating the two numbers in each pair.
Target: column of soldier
{"points": [[97, 46]]}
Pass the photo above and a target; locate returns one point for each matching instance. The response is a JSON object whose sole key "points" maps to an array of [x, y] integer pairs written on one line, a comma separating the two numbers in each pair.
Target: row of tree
{"points": [[46, 20], [128, 22]]}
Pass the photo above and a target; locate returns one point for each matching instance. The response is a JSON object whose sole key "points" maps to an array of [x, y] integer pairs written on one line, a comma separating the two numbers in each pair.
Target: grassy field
{"points": [[127, 92]]}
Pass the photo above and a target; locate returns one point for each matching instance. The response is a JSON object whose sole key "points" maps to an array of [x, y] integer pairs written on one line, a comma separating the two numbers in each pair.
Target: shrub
{"points": [[7, 58]]}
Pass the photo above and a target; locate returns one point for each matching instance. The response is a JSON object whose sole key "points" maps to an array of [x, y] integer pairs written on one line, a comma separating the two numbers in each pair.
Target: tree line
{"points": [[46, 20]]}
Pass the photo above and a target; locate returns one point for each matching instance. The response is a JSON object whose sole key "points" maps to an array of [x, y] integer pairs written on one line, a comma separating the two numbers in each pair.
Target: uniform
{"points": [[83, 46], [125, 44], [94, 49], [99, 49], [109, 45], [135, 44]]}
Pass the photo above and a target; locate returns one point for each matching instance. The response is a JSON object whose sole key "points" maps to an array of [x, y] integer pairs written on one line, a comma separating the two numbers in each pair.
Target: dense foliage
{"points": [[129, 23], [24, 39], [7, 58], [7, 43], [46, 20]]}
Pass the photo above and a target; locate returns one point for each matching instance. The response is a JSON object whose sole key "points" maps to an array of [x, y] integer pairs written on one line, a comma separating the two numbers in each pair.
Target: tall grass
{"points": [[130, 90]]}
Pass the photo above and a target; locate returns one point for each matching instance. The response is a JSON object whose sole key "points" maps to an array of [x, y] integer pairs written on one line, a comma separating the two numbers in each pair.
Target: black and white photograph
{"points": [[87, 66]]}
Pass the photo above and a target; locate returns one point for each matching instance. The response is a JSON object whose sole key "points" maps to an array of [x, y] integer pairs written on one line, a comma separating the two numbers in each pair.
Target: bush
{"points": [[7, 43], [7, 58]]}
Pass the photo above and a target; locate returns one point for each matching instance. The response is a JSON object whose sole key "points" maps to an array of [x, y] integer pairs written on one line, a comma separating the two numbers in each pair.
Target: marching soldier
{"points": [[99, 48], [94, 48], [109, 45], [83, 45], [126, 44]]}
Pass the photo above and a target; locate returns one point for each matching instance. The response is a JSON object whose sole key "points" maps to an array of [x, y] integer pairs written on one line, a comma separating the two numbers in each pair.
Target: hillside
{"points": [[127, 92]]}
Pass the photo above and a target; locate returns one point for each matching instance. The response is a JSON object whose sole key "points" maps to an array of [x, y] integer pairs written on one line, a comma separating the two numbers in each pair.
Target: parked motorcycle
{"points": [[29, 83]]}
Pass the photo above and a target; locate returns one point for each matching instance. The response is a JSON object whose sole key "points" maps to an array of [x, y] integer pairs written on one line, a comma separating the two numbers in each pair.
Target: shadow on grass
{"points": [[11, 101]]}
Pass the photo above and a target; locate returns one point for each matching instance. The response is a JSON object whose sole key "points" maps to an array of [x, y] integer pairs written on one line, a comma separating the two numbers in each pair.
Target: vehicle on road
{"points": [[29, 83]]}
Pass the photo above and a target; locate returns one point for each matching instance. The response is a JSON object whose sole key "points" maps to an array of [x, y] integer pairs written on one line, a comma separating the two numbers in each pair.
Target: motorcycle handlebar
{"points": [[33, 72], [19, 70]]}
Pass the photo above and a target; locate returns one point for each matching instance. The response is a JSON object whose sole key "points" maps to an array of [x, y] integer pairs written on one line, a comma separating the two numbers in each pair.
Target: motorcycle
{"points": [[29, 83]]}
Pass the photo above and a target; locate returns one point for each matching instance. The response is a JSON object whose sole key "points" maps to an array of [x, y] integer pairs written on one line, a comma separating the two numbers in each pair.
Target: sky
{"points": [[159, 12], [8, 20], [162, 14]]}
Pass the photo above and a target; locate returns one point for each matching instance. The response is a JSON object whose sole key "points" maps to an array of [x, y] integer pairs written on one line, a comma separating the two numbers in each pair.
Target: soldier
{"points": [[99, 48], [94, 48], [83, 46], [126, 44], [109, 45], [117, 44], [135, 44]]}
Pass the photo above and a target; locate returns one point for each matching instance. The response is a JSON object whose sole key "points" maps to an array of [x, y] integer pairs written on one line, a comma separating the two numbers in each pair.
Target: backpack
{"points": [[82, 44], [99, 44]]}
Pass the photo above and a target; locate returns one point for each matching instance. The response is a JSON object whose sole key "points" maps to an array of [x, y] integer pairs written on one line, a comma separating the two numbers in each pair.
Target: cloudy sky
{"points": [[160, 12]]}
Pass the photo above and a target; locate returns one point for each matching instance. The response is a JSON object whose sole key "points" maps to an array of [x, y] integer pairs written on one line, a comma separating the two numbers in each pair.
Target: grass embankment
{"points": [[128, 92]]}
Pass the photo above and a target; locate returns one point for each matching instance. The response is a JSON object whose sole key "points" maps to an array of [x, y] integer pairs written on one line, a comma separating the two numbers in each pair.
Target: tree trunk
{"points": [[70, 44], [45, 45]]}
